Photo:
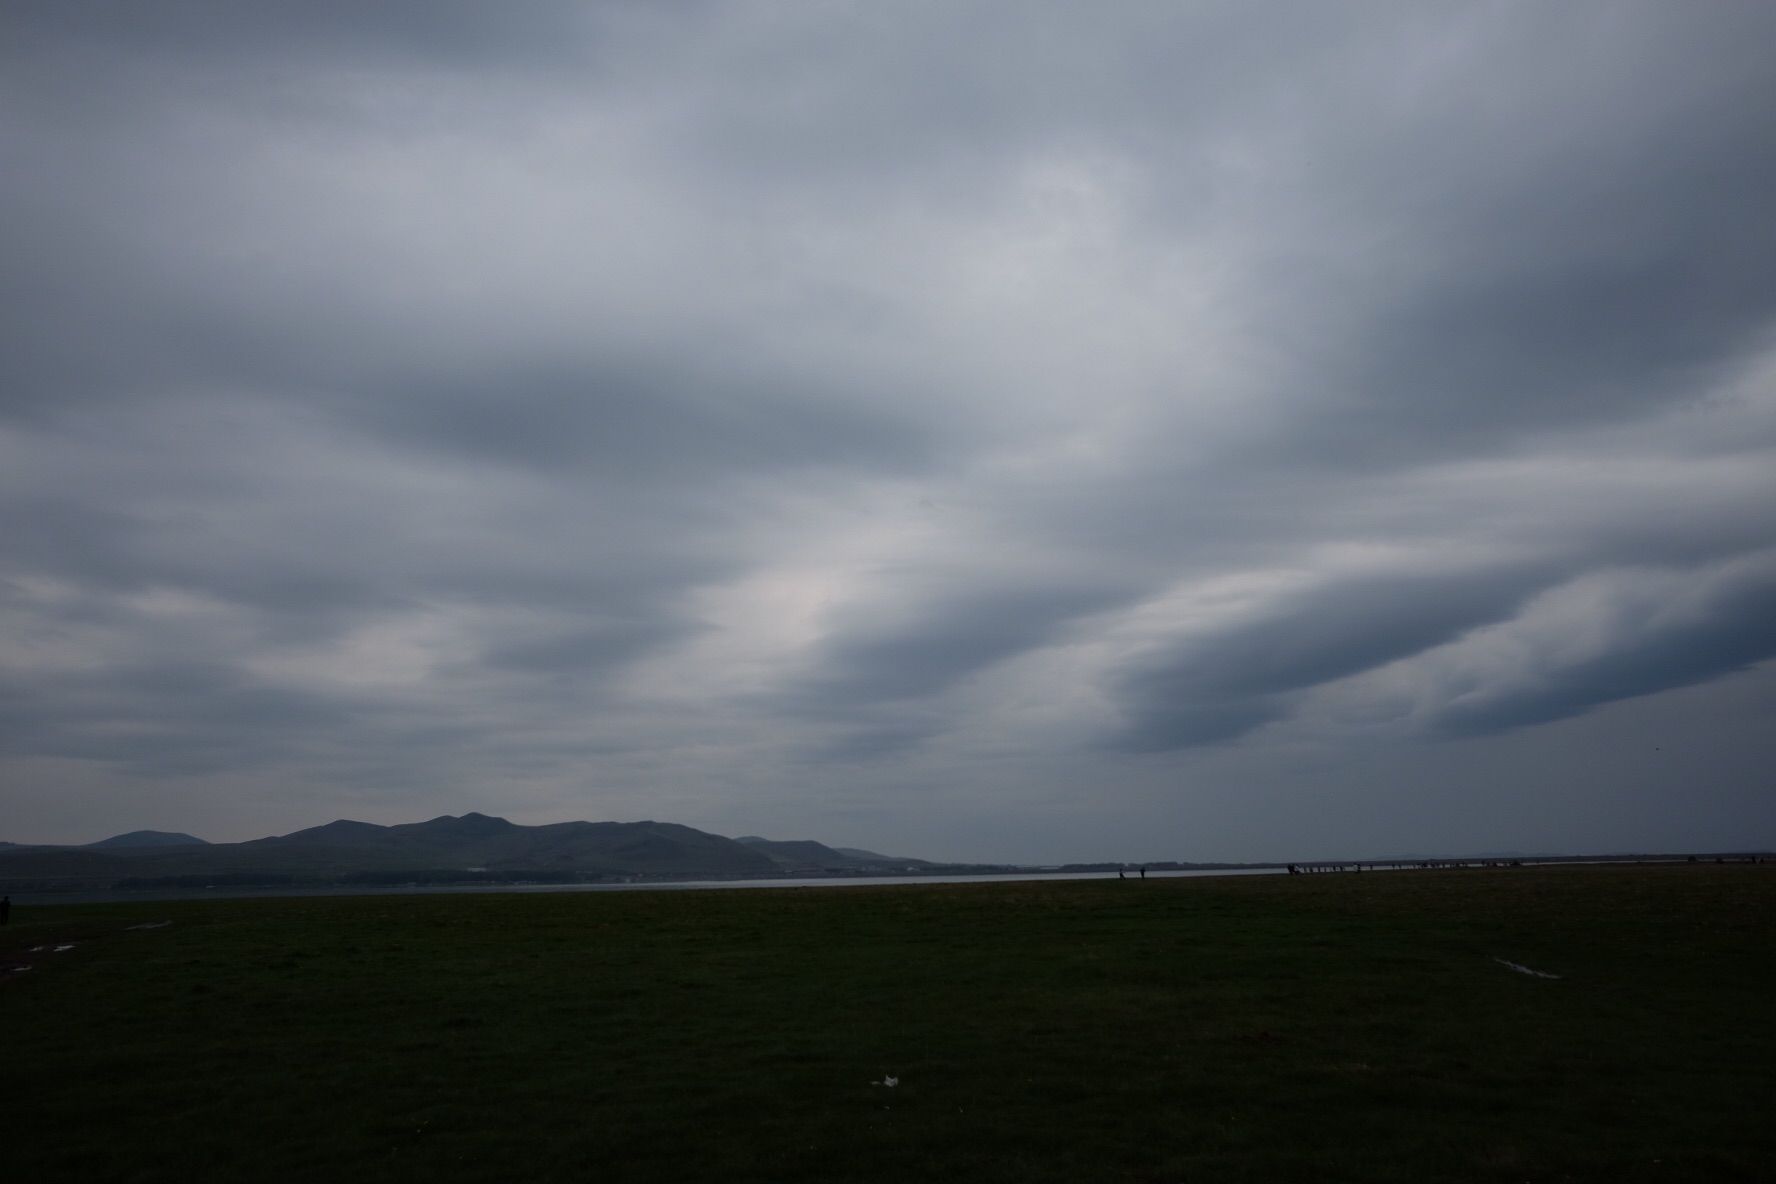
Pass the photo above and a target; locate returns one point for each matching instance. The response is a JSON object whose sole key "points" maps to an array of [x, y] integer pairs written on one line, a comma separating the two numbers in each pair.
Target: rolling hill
{"points": [[151, 838], [466, 847], [806, 855]]}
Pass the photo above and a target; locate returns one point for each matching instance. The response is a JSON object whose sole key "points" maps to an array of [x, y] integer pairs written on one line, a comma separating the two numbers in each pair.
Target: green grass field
{"points": [[1338, 1027]]}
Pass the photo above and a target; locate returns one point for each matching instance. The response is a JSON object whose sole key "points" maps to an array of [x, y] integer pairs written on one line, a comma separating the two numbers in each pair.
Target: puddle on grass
{"points": [[1522, 969], [151, 925], [59, 949]]}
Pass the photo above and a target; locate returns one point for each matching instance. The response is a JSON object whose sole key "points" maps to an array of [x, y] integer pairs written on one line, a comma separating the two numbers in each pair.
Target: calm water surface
{"points": [[151, 894]]}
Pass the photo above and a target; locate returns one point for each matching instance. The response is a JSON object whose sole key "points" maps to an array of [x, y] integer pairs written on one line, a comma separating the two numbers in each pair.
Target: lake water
{"points": [[101, 896]]}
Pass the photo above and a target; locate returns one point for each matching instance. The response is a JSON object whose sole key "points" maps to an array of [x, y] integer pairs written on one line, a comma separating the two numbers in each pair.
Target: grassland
{"points": [[1342, 1027]]}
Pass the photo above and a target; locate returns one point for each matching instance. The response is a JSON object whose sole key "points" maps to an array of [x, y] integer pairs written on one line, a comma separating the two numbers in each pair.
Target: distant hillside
{"points": [[449, 847], [808, 855], [872, 857], [151, 838], [494, 844], [132, 841]]}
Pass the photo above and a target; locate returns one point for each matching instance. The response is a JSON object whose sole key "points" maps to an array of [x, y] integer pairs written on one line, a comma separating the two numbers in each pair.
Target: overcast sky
{"points": [[1003, 431]]}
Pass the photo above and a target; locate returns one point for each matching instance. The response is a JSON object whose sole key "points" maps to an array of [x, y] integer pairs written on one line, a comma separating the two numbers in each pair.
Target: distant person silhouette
{"points": [[1119, 874], [5, 909], [1143, 871]]}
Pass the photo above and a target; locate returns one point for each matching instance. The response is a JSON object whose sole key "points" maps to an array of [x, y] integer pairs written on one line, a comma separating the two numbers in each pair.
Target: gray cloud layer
{"points": [[760, 415]]}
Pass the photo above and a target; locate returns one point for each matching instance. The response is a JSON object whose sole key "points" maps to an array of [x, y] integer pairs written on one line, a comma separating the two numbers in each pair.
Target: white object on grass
{"points": [[1521, 969]]}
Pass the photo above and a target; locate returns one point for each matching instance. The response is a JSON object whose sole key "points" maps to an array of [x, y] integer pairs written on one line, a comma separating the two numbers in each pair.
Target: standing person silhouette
{"points": [[1143, 871], [5, 909]]}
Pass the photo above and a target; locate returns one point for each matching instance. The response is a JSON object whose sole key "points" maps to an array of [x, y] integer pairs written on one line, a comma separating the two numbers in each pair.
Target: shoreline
{"points": [[40, 897]]}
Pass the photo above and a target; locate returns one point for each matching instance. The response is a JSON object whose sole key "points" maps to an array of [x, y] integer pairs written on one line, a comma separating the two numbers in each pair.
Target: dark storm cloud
{"points": [[1599, 316], [682, 399], [883, 739], [1238, 677], [1534, 244], [580, 648], [446, 30], [176, 718], [651, 421], [945, 643], [1714, 624]]}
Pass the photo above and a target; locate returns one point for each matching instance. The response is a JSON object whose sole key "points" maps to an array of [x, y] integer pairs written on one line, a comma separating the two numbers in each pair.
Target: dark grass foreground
{"points": [[1344, 1027]]}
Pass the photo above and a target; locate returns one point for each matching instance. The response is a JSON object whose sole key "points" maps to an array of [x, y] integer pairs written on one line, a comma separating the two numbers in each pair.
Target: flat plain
{"points": [[1359, 1026]]}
